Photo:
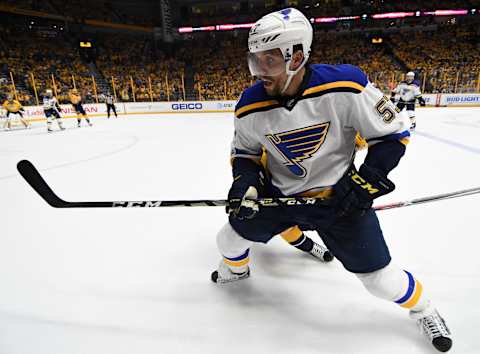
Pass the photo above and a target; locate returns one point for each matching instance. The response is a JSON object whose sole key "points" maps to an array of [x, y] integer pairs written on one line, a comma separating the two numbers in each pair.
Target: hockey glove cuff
{"points": [[355, 191]]}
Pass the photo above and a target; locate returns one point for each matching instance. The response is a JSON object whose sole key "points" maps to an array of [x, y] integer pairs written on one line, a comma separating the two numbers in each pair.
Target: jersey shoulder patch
{"points": [[335, 78], [254, 99]]}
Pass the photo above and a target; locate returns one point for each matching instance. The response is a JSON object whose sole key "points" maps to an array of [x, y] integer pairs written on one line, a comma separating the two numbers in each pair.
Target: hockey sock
{"points": [[297, 239], [234, 249], [412, 296], [397, 285], [238, 264]]}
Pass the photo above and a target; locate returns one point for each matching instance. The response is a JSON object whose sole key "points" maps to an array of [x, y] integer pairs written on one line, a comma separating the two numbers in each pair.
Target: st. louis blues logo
{"points": [[298, 145], [285, 13]]}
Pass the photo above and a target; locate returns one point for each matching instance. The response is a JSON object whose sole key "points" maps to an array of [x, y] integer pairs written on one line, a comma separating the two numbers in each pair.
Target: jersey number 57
{"points": [[384, 109]]}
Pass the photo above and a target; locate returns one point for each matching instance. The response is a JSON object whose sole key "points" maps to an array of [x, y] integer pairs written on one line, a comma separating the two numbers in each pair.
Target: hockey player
{"points": [[409, 91], [13, 107], [110, 102], [76, 101], [306, 117], [52, 108]]}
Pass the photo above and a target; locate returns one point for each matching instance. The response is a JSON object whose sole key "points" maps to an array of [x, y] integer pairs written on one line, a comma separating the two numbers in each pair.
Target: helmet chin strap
{"points": [[287, 83], [290, 75]]}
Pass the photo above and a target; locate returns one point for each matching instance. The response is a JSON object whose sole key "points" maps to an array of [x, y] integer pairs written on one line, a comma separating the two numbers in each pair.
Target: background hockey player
{"points": [[76, 101], [13, 107], [409, 91], [306, 118], [51, 108]]}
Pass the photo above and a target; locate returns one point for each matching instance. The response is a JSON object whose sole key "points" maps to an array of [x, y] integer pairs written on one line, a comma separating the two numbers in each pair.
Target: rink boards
{"points": [[35, 113]]}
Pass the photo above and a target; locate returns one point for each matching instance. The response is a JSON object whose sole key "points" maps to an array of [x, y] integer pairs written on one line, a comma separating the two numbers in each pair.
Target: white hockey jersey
{"points": [[50, 103], [408, 92], [309, 140]]}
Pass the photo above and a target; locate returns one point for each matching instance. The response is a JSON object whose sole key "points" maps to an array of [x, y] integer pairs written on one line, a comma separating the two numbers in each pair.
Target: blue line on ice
{"points": [[449, 142]]}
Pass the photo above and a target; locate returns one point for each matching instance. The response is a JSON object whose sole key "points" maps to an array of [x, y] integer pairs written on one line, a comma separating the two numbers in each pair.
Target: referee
{"points": [[109, 100]]}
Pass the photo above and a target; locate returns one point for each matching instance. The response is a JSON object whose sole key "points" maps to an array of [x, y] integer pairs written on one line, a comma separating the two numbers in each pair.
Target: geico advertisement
{"points": [[187, 106], [178, 107]]}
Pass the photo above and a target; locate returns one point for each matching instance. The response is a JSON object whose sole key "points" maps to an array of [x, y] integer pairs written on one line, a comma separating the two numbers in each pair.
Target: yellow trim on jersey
{"points": [[324, 193], [360, 143], [416, 296], [292, 234], [405, 141], [349, 84], [255, 106]]}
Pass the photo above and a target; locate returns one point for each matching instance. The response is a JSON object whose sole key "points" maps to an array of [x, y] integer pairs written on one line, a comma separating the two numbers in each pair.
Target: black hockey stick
{"points": [[36, 181]]}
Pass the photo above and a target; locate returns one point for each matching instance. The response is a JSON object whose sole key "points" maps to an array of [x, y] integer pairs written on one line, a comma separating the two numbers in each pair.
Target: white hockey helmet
{"points": [[279, 30], [49, 93], [410, 74]]}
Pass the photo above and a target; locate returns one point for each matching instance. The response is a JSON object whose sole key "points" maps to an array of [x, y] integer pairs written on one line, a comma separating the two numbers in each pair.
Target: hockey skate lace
{"points": [[434, 326], [318, 250]]}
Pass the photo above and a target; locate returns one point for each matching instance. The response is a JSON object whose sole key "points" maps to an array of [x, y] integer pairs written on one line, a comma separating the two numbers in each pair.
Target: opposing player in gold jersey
{"points": [[76, 101], [13, 107]]}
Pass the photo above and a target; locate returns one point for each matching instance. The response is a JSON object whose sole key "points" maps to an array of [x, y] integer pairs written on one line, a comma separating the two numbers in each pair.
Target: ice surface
{"points": [[118, 281]]}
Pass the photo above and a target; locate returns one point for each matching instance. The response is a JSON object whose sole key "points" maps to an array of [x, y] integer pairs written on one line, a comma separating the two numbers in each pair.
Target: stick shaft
{"points": [[36, 181]]}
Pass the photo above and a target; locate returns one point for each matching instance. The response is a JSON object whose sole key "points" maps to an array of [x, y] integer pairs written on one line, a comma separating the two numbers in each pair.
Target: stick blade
{"points": [[36, 181]]}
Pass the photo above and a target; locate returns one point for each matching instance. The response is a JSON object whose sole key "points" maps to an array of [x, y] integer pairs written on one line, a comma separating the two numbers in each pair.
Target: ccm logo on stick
{"points": [[182, 106], [142, 204]]}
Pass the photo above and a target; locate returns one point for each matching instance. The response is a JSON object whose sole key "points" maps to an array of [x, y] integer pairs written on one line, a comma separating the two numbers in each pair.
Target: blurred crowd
{"points": [[214, 67], [139, 12], [448, 58]]}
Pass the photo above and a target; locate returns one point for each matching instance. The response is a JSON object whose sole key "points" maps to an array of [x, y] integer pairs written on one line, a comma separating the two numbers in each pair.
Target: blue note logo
{"points": [[285, 14], [298, 145]]}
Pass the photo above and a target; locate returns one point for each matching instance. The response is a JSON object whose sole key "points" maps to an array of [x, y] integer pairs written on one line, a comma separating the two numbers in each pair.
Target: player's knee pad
{"points": [[387, 283], [411, 114], [230, 243]]}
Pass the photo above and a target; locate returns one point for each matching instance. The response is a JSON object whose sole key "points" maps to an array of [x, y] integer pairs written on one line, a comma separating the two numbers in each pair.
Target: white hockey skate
{"points": [[321, 253], [225, 275], [433, 326]]}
